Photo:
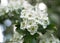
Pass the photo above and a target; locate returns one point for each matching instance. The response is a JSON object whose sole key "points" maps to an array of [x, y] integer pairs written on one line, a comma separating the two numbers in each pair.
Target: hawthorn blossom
{"points": [[29, 22], [33, 17], [29, 14], [42, 17], [33, 29]]}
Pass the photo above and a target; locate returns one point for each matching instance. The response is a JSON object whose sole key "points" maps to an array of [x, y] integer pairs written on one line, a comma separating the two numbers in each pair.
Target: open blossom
{"points": [[23, 25], [29, 14], [33, 29], [43, 15]]}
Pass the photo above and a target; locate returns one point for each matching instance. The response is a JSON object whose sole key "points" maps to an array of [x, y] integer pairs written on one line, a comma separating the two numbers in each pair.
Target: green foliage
{"points": [[30, 38], [40, 29]]}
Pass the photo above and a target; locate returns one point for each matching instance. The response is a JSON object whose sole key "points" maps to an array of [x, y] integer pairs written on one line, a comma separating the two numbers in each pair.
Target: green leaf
{"points": [[51, 27], [29, 39], [40, 29]]}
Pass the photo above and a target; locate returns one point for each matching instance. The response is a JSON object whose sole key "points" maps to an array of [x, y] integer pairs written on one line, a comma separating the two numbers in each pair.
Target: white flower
{"points": [[23, 25], [44, 22], [42, 15], [33, 29], [29, 14], [27, 24], [30, 23], [23, 14]]}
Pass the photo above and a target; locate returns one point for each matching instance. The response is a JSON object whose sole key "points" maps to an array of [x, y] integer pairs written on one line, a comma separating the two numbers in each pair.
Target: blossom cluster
{"points": [[33, 16], [11, 6]]}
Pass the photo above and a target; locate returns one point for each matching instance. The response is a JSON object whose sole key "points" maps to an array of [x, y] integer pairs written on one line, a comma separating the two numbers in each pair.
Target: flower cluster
{"points": [[11, 6], [29, 22], [31, 15], [34, 16]]}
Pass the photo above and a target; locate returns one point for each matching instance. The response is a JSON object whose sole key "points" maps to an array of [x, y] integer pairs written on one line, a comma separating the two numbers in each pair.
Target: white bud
{"points": [[42, 6]]}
